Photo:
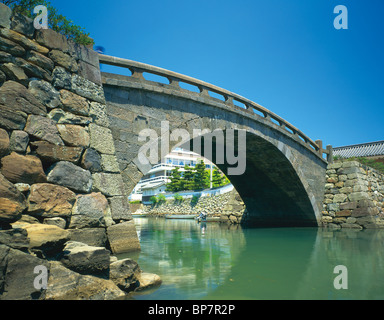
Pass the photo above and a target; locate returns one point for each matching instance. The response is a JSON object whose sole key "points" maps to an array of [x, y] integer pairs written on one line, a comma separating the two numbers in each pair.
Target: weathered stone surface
{"points": [[11, 119], [52, 40], [363, 212], [61, 78], [65, 284], [49, 152], [32, 70], [5, 16], [40, 60], [23, 187], [148, 280], [22, 169], [22, 40], [110, 184], [343, 213], [14, 72], [64, 60], [120, 208], [91, 160], [91, 236], [123, 237], [56, 221], [85, 259], [45, 93], [125, 274], [25, 219], [11, 47], [4, 143], [101, 139], [19, 141], [67, 174], [351, 226], [89, 72], [87, 89], [340, 198], [48, 238], [22, 24], [90, 211], [48, 200], [44, 129], [356, 196], [74, 135], [62, 117], [74, 103], [15, 238], [109, 163], [85, 54], [18, 272], [97, 112]]}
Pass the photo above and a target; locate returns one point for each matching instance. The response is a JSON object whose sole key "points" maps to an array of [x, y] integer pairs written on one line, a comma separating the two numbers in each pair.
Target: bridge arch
{"points": [[284, 179]]}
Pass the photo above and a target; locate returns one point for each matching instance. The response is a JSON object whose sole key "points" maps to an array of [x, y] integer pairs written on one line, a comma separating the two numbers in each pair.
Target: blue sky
{"points": [[283, 54]]}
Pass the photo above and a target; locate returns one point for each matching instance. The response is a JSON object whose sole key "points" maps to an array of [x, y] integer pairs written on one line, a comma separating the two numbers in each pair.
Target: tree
{"points": [[175, 184], [201, 176], [217, 179], [189, 173]]}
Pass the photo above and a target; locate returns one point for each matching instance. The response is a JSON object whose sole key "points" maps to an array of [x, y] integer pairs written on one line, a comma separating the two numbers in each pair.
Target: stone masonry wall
{"points": [[59, 179], [227, 207], [354, 196]]}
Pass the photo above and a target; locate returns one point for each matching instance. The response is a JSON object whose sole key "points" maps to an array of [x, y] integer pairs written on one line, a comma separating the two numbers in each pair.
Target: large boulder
{"points": [[18, 275], [125, 273], [123, 237], [69, 175], [4, 143], [22, 169], [15, 238], [91, 210], [12, 201], [43, 128], [96, 237], [48, 200], [50, 152], [47, 238], [85, 259], [148, 280], [65, 284]]}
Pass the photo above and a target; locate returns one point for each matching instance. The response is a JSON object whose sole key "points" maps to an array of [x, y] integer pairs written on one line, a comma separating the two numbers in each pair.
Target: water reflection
{"points": [[214, 261]]}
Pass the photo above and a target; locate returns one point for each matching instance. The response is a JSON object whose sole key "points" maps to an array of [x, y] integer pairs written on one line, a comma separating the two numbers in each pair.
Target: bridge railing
{"points": [[229, 98]]}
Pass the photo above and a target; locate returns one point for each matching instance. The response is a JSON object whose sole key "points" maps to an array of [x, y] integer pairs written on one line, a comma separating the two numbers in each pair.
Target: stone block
{"points": [[91, 236], [5, 16], [14, 72], [109, 163], [348, 205], [97, 112], [12, 201], [363, 212], [87, 89], [123, 237], [52, 40], [356, 196], [22, 24], [4, 143], [51, 153], [64, 60], [40, 60], [91, 160], [56, 221], [43, 128], [343, 213], [125, 274], [340, 198], [74, 103], [22, 169], [11, 47], [90, 72], [62, 117], [110, 184], [101, 139], [120, 208], [48, 200], [73, 135], [61, 78], [45, 93], [67, 174], [91, 211]]}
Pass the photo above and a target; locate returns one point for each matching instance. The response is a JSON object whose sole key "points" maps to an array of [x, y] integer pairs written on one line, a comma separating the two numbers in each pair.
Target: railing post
{"points": [[320, 145], [330, 154]]}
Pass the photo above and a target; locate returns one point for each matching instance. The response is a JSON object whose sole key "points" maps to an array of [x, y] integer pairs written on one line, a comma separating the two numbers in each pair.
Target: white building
{"points": [[155, 181]]}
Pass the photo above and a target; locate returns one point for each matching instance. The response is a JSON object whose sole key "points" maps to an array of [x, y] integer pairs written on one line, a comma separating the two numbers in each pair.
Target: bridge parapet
{"points": [[228, 98]]}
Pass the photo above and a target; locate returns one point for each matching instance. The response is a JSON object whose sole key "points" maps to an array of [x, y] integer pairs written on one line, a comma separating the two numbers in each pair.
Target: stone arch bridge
{"points": [[283, 179]]}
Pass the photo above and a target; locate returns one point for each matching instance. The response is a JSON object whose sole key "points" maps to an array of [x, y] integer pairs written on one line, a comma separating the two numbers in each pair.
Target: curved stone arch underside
{"points": [[283, 184]]}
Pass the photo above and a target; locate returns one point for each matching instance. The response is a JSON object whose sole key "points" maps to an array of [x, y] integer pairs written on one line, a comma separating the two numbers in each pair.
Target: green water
{"points": [[218, 262]]}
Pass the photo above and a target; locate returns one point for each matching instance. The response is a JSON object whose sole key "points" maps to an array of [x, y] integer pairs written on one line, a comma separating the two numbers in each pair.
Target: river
{"points": [[220, 262]]}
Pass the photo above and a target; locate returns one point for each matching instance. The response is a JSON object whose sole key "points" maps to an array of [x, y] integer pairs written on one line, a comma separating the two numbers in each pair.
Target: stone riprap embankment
{"points": [[227, 207], [354, 196], [62, 199]]}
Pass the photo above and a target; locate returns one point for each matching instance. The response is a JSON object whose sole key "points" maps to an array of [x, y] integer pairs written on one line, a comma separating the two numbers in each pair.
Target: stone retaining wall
{"points": [[59, 178], [229, 207], [354, 196]]}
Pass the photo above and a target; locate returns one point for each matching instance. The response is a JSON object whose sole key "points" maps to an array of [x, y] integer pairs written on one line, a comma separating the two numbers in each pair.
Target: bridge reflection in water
{"points": [[272, 263]]}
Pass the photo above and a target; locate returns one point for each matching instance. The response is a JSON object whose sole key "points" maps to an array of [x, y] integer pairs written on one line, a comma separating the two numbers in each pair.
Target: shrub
{"points": [[153, 199], [178, 197], [160, 198]]}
